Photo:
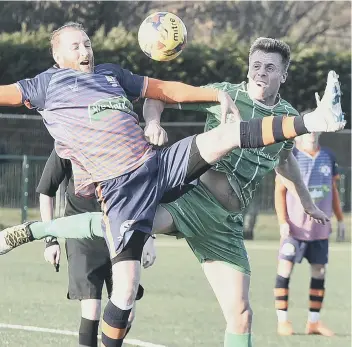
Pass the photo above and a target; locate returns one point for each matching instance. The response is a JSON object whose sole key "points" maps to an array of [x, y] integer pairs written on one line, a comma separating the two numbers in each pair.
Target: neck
{"points": [[268, 101], [312, 151]]}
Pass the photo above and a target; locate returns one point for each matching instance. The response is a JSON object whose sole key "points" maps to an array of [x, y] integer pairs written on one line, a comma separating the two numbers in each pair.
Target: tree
{"points": [[324, 23]]}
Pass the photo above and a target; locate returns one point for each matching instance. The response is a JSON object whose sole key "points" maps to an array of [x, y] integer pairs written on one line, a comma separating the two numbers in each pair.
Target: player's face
{"points": [[265, 75], [74, 51]]}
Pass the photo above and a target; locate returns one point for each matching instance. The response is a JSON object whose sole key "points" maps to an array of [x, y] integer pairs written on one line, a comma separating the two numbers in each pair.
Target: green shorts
{"points": [[212, 232]]}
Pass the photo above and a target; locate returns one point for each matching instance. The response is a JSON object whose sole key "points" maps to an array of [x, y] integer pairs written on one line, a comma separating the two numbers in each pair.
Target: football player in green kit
{"points": [[210, 216]]}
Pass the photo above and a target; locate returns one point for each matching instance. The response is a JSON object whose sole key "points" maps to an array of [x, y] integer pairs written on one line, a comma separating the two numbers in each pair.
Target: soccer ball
{"points": [[162, 36]]}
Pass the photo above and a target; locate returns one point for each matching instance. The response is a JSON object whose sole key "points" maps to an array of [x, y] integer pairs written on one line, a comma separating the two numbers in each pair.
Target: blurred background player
{"points": [[301, 236], [89, 265]]}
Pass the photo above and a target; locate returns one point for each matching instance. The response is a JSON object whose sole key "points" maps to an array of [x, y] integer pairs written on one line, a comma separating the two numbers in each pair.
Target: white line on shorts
{"points": [[133, 342]]}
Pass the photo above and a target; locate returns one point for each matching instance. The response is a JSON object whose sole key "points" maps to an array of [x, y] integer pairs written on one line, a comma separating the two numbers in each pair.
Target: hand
{"points": [[340, 237], [155, 134], [149, 253], [228, 107], [316, 214], [52, 254]]}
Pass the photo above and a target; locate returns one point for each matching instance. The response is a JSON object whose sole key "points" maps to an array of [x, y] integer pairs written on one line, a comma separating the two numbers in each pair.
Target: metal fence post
{"points": [[25, 179]]}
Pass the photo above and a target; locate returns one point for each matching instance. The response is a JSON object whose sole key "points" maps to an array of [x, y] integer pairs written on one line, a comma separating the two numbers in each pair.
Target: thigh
{"points": [[318, 252], [86, 268], [174, 162], [129, 204], [211, 231], [163, 221]]}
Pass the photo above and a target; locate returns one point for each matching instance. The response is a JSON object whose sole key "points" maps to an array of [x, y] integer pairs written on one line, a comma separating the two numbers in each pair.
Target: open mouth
{"points": [[261, 83], [84, 63]]}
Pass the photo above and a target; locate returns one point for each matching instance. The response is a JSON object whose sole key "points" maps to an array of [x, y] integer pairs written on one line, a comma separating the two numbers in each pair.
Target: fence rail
{"points": [[19, 176], [26, 134]]}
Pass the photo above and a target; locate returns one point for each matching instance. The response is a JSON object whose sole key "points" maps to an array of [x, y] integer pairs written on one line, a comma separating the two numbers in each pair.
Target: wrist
{"points": [[283, 220], [308, 205], [152, 121]]}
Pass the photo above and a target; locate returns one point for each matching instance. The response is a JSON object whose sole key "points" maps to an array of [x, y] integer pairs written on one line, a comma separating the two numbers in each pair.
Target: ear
{"points": [[56, 57], [284, 77]]}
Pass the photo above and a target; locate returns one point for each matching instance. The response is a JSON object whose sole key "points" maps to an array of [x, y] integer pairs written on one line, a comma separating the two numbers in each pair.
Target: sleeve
{"points": [[133, 85], [55, 171], [34, 90], [334, 165]]}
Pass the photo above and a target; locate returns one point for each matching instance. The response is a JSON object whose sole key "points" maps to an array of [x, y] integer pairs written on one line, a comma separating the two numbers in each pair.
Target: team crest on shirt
{"points": [[112, 80], [325, 170], [105, 107]]}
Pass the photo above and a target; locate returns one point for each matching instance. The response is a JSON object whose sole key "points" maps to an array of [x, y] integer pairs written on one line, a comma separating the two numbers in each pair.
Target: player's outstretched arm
{"points": [[177, 92], [10, 95], [290, 175]]}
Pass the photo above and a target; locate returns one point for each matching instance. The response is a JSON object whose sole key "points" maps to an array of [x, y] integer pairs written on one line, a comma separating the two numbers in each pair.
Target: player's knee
{"points": [[239, 318], [318, 271], [91, 309], [124, 292], [284, 268], [124, 296]]}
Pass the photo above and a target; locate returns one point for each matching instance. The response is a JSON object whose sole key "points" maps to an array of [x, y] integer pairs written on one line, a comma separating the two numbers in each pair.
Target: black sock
{"points": [[88, 332], [259, 132], [114, 325], [316, 294], [281, 293]]}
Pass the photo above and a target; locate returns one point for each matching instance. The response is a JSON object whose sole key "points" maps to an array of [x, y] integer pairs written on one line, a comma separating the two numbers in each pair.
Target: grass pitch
{"points": [[179, 308]]}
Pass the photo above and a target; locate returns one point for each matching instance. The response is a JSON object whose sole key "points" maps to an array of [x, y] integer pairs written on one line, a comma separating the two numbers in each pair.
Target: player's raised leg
{"points": [[81, 226], [231, 288], [259, 132]]}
